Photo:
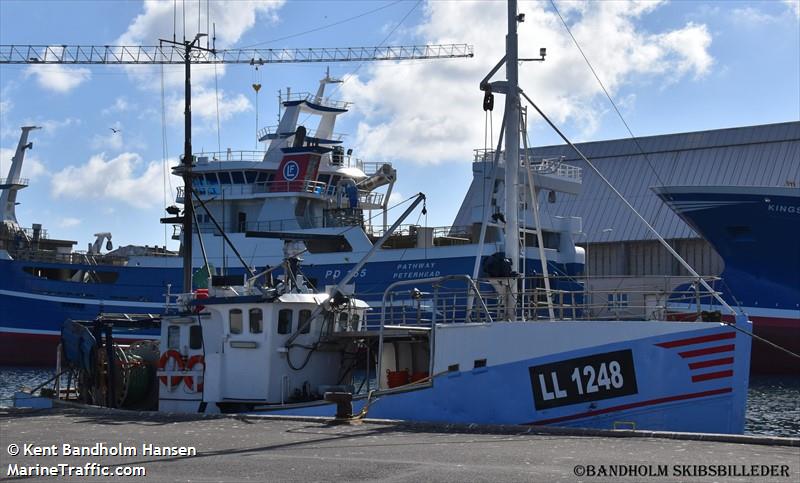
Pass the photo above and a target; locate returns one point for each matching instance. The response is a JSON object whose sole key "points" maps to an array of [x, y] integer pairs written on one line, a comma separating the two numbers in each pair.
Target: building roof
{"points": [[764, 155]]}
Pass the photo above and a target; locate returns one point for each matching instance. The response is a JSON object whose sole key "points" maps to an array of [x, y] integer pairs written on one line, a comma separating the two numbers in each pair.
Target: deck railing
{"points": [[442, 300], [543, 166]]}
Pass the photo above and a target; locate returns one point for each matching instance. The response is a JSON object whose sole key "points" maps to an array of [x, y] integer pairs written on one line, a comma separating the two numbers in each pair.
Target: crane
{"points": [[188, 52]]}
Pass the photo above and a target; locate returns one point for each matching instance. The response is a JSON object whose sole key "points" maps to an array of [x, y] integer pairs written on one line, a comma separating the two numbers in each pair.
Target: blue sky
{"points": [[671, 67]]}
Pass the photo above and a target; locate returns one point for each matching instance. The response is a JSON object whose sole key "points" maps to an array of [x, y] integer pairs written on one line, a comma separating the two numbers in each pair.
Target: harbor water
{"points": [[773, 403]]}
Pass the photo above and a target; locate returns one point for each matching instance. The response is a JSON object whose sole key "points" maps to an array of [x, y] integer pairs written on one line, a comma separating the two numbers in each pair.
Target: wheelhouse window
{"points": [[302, 317], [256, 318], [235, 320], [238, 177], [250, 176], [225, 177], [174, 337], [211, 178], [195, 337], [285, 321]]}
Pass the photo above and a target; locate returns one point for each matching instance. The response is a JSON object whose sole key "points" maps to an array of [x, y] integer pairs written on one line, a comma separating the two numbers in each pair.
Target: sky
{"points": [[670, 66]]}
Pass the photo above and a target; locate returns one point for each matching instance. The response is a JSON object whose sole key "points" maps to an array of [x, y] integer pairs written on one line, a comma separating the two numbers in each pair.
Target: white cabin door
{"points": [[246, 356]]}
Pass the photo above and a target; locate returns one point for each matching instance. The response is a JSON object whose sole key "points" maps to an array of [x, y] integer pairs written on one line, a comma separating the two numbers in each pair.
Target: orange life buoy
{"points": [[162, 364], [189, 380]]}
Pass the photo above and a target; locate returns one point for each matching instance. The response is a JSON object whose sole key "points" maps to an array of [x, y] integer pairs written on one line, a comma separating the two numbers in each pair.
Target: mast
{"points": [[512, 139], [14, 182], [187, 161]]}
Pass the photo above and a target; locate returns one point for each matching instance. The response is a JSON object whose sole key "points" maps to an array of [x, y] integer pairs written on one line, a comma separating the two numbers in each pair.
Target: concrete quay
{"points": [[244, 448]]}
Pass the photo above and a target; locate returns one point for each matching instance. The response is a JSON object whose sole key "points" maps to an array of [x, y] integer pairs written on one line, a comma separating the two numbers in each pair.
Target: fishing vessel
{"points": [[755, 229], [319, 194], [495, 350]]}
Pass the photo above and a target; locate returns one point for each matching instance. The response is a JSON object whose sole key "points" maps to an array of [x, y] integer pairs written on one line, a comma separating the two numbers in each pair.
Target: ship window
{"points": [[73, 275], [250, 176], [235, 318], [238, 177], [285, 321], [211, 178], [302, 317], [174, 337], [324, 178], [262, 177], [355, 320], [256, 321], [195, 337], [225, 178]]}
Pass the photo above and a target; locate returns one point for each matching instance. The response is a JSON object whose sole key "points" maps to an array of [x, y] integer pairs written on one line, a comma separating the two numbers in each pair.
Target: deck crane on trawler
{"points": [[190, 52]]}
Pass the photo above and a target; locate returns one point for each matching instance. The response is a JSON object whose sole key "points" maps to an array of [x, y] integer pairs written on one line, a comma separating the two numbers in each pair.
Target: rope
{"points": [[322, 27], [613, 104], [666, 245], [164, 150]]}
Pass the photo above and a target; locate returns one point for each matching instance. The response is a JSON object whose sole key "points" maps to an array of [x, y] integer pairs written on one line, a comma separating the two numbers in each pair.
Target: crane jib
{"points": [[171, 54]]}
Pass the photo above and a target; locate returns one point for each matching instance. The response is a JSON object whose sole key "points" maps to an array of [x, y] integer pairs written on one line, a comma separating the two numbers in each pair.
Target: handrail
{"points": [[270, 130], [542, 166], [231, 155], [572, 299], [435, 281], [15, 181]]}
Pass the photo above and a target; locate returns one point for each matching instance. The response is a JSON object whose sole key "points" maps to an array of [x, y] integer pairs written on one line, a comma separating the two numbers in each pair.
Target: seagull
{"points": [[115, 130]]}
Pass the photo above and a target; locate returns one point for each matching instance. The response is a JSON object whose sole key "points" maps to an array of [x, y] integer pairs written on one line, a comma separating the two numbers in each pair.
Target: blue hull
{"points": [[32, 308], [694, 384], [756, 231]]}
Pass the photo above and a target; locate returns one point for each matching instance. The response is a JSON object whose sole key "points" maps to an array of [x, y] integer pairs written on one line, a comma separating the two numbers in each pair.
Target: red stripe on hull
{"points": [[28, 349], [711, 363], [622, 407], [19, 349], [706, 351], [712, 375], [697, 340]]}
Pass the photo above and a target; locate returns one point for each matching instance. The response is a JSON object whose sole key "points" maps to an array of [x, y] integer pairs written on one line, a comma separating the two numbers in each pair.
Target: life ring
{"points": [[162, 364], [189, 380]]}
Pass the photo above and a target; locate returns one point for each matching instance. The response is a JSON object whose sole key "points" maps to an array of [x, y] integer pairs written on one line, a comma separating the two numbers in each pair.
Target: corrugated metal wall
{"points": [[648, 257], [766, 155]]}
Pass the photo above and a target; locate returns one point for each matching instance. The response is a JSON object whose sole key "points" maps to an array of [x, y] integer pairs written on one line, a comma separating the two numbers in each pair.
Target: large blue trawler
{"points": [[755, 229], [332, 204]]}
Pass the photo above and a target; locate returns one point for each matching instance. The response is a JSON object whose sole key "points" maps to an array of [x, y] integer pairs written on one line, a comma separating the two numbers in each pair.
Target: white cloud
{"points": [[430, 111], [5, 107], [68, 222], [109, 139], [126, 178], [232, 18], [396, 197], [793, 6], [57, 77], [204, 105], [32, 167], [50, 126], [121, 104]]}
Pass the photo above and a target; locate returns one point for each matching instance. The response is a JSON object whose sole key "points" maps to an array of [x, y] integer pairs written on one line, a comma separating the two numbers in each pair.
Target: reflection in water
{"points": [[773, 404]]}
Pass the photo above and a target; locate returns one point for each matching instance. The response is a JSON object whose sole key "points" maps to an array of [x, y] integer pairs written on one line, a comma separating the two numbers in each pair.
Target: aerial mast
{"points": [[187, 161], [512, 139]]}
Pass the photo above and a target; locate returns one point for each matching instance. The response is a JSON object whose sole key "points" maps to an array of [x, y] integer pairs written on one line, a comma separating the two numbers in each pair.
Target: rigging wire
{"points": [[694, 274], [164, 149], [613, 104], [354, 71], [216, 100], [322, 27]]}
